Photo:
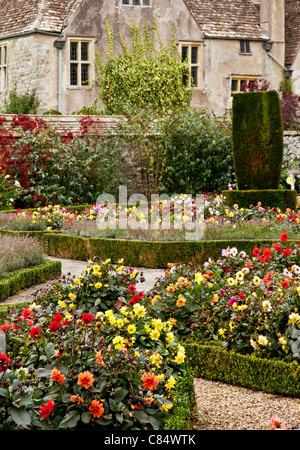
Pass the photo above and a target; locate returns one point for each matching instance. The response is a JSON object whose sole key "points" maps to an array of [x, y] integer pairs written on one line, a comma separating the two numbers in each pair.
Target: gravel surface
{"points": [[225, 407]]}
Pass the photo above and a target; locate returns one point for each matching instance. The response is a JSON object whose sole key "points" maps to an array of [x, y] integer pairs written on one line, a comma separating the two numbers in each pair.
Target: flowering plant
{"points": [[247, 303], [45, 218], [68, 369], [102, 286]]}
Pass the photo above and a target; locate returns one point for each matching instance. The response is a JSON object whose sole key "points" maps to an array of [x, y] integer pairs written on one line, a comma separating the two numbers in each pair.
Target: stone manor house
{"points": [[50, 45]]}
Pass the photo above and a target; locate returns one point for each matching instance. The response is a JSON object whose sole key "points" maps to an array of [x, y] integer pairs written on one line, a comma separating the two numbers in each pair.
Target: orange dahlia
{"points": [[76, 399], [99, 359], [57, 375], [150, 381], [96, 408], [85, 379]]}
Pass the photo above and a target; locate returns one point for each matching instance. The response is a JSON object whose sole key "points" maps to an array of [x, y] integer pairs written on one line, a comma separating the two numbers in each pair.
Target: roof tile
{"points": [[235, 19]]}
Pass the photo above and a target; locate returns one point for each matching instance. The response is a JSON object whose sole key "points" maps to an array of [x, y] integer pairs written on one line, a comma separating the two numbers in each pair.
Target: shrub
{"points": [[198, 155], [9, 191], [20, 279], [257, 140], [41, 159], [18, 103], [272, 198]]}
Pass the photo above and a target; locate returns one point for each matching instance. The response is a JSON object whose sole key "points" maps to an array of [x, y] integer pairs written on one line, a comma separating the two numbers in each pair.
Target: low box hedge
{"points": [[33, 233], [143, 253], [15, 281], [279, 198], [216, 364]]}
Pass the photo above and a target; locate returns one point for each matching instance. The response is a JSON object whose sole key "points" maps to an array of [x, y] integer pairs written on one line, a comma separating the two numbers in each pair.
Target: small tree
{"points": [[144, 76]]}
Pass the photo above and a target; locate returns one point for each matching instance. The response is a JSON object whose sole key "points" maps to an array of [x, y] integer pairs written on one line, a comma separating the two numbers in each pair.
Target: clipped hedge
{"points": [[155, 255], [15, 281], [257, 140], [216, 364], [285, 198], [33, 233], [185, 404]]}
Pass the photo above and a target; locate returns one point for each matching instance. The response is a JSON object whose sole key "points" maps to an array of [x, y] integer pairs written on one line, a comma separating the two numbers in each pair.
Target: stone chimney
{"points": [[272, 19]]}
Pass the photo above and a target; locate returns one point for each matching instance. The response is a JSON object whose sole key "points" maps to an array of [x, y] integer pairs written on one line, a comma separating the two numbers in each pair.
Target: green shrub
{"points": [[272, 198], [198, 153], [144, 253], [272, 376], [17, 103], [42, 157], [257, 140], [15, 281]]}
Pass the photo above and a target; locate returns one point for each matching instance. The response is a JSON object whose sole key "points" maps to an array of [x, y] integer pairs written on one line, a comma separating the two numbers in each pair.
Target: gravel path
{"points": [[224, 407]]}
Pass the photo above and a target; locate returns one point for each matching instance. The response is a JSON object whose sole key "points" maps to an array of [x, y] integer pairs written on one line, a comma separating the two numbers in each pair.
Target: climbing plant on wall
{"points": [[146, 75]]}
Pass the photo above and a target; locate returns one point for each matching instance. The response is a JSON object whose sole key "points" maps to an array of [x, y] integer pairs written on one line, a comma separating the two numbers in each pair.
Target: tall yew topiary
{"points": [[257, 139]]}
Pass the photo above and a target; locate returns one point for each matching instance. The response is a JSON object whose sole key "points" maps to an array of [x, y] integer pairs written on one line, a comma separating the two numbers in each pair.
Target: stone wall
{"points": [[105, 124], [291, 146], [31, 67]]}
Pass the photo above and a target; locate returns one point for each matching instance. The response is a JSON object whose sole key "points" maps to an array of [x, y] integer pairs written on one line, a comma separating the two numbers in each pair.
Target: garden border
{"points": [[150, 254], [248, 371], [20, 279]]}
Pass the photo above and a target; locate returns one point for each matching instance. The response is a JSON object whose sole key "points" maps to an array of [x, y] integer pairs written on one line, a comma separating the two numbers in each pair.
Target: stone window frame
{"points": [[240, 79], [80, 62], [245, 47], [3, 67], [136, 3], [193, 66]]}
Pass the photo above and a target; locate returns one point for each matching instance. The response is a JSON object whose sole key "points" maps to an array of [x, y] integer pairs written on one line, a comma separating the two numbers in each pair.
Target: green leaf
{"points": [[49, 350], [86, 417], [70, 421], [120, 394], [142, 416], [43, 372], [20, 416]]}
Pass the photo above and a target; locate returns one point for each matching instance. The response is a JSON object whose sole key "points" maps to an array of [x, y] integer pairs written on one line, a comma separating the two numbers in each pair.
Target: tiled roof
{"points": [[235, 19], [292, 29], [21, 16]]}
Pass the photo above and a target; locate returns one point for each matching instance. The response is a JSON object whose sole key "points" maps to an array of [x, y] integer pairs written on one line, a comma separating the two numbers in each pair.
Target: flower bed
{"points": [[89, 355], [245, 302], [161, 221]]}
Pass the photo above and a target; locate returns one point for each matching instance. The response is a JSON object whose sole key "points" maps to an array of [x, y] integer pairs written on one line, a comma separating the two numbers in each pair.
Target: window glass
{"points": [[84, 74], [191, 55], [73, 74], [245, 47], [194, 76], [3, 67], [73, 51], [184, 53], [84, 51], [194, 55], [234, 85]]}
